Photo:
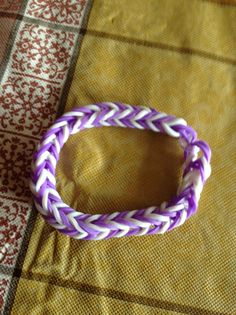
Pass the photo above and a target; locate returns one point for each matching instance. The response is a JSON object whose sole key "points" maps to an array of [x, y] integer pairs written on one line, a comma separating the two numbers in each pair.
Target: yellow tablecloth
{"points": [[180, 58]]}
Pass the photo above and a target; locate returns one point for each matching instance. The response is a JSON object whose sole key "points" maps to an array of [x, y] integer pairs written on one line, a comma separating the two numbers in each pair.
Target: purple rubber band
{"points": [[168, 215]]}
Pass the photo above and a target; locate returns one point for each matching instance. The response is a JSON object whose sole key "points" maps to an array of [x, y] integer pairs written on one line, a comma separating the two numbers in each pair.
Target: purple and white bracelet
{"points": [[155, 219]]}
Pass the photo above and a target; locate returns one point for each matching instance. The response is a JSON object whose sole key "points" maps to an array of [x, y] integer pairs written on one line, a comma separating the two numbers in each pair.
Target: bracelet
{"points": [[196, 170]]}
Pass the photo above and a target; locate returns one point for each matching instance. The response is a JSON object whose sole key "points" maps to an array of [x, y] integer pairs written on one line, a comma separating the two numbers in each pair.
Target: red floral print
{"points": [[43, 52], [27, 104], [57, 11]]}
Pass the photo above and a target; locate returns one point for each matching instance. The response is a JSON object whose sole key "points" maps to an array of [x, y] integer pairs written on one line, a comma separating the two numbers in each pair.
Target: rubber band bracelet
{"points": [[196, 170]]}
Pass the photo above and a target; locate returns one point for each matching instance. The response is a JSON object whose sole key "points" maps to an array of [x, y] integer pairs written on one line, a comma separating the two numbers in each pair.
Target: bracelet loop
{"points": [[196, 170]]}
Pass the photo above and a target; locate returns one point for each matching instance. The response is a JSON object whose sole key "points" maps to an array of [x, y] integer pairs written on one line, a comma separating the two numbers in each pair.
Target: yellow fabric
{"points": [[179, 57]]}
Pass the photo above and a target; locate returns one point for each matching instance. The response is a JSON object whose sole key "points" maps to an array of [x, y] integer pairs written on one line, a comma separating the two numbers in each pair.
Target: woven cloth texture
{"points": [[176, 56]]}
